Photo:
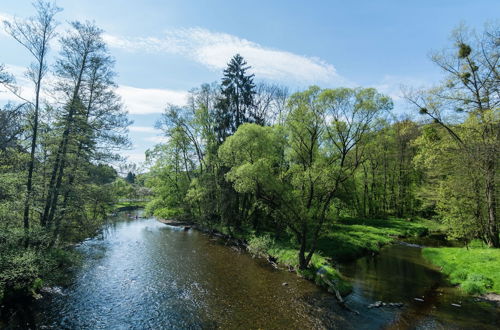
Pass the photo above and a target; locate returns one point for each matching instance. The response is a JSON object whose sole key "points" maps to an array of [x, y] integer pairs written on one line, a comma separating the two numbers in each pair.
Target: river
{"points": [[142, 274]]}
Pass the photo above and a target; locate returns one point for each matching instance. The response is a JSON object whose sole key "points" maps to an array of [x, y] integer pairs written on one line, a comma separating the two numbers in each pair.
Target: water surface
{"points": [[142, 274]]}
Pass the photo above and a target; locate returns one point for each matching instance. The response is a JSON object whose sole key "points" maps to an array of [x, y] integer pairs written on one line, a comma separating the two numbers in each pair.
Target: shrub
{"points": [[260, 245], [477, 284]]}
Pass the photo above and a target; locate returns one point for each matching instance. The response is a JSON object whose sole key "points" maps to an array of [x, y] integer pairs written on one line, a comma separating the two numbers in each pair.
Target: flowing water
{"points": [[142, 274]]}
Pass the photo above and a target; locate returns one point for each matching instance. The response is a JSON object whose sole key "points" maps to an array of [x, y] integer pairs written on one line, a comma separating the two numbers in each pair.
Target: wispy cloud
{"points": [[144, 129], [157, 139], [150, 100], [391, 85], [214, 50], [134, 157]]}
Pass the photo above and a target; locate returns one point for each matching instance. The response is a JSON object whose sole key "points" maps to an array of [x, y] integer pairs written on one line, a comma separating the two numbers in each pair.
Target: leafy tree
{"points": [[471, 93], [35, 34], [297, 180]]}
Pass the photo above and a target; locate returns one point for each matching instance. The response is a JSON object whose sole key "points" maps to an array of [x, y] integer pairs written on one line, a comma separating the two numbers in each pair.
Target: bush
{"points": [[477, 284], [18, 271], [167, 213], [260, 245]]}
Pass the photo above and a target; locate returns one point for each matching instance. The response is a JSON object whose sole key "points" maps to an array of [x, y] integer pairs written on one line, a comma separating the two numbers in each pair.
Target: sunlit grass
{"points": [[352, 238], [476, 270]]}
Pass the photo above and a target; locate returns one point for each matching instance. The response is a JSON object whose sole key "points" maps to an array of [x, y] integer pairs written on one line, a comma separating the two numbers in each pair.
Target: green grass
{"points": [[352, 238], [345, 240], [476, 270], [286, 254]]}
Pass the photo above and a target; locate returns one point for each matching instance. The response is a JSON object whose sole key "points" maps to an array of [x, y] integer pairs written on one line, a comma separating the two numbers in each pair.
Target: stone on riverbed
{"points": [[379, 304]]}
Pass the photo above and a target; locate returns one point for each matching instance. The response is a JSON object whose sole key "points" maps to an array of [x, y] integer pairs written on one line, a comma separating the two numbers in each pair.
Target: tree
{"points": [[471, 92], [92, 121], [130, 178], [35, 34], [235, 104], [298, 177]]}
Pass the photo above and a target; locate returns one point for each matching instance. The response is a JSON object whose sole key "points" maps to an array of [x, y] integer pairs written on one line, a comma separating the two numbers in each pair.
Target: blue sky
{"points": [[164, 48]]}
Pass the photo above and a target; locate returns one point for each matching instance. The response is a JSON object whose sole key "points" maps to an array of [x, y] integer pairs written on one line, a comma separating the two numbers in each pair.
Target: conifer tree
{"points": [[236, 102]]}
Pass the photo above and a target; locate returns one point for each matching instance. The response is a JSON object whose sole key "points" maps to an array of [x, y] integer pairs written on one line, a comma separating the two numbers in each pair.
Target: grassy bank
{"points": [[476, 270], [353, 238], [345, 240], [320, 269]]}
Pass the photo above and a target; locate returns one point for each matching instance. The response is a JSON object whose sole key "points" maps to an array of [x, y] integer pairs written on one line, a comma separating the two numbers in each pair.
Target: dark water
{"points": [[142, 274], [401, 274]]}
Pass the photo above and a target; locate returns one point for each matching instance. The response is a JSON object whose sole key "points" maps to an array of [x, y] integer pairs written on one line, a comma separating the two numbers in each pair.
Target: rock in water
{"points": [[376, 304]]}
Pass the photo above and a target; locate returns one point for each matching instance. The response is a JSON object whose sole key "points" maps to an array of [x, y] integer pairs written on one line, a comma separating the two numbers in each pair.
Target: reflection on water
{"points": [[142, 274], [145, 275], [400, 274]]}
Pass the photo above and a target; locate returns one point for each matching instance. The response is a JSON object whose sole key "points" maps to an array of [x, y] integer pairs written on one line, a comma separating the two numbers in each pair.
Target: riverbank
{"points": [[280, 255], [24, 270], [345, 240], [476, 269]]}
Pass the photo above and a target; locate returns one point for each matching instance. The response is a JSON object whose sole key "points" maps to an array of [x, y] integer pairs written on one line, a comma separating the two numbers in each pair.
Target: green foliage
{"points": [[260, 245], [352, 238], [476, 270]]}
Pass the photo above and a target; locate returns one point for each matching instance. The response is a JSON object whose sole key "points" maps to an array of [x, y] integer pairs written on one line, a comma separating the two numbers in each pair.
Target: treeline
{"points": [[242, 155], [56, 142]]}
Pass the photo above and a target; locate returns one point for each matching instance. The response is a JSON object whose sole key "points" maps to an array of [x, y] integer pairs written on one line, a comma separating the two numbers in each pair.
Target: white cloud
{"points": [[144, 129], [150, 100], [215, 49], [391, 85], [137, 100], [157, 139], [23, 84]]}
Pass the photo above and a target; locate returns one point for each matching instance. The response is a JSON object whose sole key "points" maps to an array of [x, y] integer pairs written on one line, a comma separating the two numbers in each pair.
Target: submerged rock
{"points": [[379, 304], [376, 304]]}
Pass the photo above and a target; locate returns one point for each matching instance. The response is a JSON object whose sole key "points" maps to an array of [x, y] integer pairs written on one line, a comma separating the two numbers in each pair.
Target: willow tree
{"points": [[296, 172]]}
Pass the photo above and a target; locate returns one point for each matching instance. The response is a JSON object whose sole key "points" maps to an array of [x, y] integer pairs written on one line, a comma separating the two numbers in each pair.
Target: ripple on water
{"points": [[142, 274]]}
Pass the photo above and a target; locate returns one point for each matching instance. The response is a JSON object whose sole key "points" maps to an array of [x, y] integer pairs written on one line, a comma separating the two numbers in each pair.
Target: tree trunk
{"points": [[493, 238]]}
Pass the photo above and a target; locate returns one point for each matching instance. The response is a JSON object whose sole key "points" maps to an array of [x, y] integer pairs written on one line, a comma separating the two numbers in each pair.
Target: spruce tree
{"points": [[235, 104]]}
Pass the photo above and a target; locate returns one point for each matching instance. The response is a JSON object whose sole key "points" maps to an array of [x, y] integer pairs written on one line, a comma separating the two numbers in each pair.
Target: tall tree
{"points": [[82, 47], [35, 34], [236, 102]]}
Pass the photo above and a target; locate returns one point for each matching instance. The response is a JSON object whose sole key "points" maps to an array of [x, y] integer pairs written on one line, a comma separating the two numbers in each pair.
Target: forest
{"points": [[307, 178]]}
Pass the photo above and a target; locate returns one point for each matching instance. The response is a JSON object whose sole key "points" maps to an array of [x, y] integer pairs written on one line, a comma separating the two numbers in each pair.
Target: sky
{"points": [[163, 48]]}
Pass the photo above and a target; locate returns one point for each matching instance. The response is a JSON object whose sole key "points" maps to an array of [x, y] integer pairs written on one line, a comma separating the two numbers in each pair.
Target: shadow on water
{"points": [[142, 274], [400, 274]]}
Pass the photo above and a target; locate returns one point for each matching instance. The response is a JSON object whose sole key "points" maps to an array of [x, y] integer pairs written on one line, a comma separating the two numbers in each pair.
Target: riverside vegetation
{"points": [[310, 178], [326, 175], [56, 184]]}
